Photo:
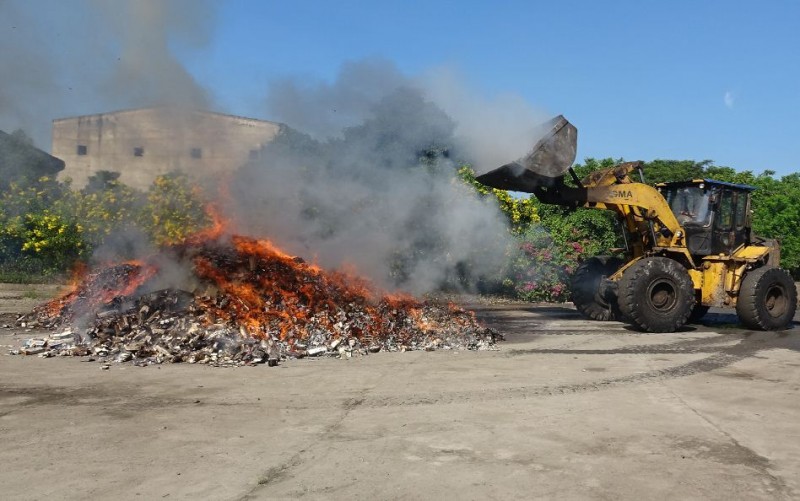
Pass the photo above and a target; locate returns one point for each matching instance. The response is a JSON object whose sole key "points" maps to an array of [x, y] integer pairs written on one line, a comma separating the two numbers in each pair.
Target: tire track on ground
{"points": [[749, 345]]}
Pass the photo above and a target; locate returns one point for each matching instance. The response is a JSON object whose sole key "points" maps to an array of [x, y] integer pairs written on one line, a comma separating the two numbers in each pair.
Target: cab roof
{"points": [[711, 182]]}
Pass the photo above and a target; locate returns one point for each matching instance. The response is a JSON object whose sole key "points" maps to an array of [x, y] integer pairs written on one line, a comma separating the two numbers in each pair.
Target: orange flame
{"points": [[264, 290], [219, 226], [100, 288]]}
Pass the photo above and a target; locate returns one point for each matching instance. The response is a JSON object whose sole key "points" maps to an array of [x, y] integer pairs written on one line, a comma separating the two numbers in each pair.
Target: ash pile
{"points": [[250, 304]]}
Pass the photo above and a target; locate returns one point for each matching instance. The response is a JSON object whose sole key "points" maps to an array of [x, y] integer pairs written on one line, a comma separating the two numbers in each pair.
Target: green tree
{"points": [[776, 214], [104, 206], [175, 209], [38, 229], [51, 238], [661, 171], [592, 164]]}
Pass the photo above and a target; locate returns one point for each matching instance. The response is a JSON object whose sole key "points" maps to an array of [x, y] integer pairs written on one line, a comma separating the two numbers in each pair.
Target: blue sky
{"points": [[696, 80]]}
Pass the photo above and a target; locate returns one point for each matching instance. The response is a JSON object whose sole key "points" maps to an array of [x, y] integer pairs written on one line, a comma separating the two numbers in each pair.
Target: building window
{"points": [[138, 151], [197, 153], [254, 154], [82, 149]]}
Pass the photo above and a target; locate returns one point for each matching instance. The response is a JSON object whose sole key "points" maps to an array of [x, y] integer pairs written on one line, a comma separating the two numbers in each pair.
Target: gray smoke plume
{"points": [[28, 82], [324, 109], [60, 58], [375, 186], [147, 72], [491, 131]]}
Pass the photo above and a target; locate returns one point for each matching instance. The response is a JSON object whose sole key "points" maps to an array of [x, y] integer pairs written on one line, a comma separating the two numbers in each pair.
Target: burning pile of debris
{"points": [[250, 303]]}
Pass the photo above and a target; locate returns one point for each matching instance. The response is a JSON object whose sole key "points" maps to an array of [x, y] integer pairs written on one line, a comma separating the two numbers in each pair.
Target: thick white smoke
{"points": [[374, 185], [324, 109], [60, 58], [491, 131], [148, 73]]}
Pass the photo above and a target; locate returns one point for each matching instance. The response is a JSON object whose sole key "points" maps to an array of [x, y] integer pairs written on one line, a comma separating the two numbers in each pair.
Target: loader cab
{"points": [[714, 215]]}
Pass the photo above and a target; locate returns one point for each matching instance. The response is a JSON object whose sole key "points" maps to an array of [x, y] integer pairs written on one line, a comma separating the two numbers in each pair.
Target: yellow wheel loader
{"points": [[688, 244]]}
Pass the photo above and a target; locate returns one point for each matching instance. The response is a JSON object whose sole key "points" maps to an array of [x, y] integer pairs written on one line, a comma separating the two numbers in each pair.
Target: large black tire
{"points": [[585, 286], [656, 294], [767, 300], [698, 312]]}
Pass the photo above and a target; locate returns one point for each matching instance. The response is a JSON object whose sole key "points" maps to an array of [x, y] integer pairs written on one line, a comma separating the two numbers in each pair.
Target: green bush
{"points": [[541, 268], [46, 227]]}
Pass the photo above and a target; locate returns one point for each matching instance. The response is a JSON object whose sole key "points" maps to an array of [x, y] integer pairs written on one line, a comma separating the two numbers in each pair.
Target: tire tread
{"points": [[585, 302], [629, 302], [747, 305]]}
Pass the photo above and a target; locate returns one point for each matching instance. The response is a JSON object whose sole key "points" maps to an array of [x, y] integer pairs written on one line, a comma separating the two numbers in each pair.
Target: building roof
{"points": [[148, 108]]}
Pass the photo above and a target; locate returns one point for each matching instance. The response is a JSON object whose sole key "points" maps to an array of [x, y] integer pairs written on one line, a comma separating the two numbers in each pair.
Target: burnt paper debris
{"points": [[250, 304]]}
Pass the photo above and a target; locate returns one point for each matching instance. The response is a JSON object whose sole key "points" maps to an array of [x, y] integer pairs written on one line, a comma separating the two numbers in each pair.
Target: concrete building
{"points": [[141, 144]]}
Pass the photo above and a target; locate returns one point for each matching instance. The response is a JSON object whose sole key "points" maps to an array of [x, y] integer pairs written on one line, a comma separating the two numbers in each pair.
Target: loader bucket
{"points": [[550, 158]]}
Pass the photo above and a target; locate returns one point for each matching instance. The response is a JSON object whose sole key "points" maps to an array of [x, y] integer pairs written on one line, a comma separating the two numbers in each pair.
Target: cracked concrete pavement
{"points": [[566, 409]]}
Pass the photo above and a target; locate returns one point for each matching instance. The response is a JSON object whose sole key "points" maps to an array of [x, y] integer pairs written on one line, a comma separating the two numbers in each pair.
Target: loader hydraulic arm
{"points": [[641, 206]]}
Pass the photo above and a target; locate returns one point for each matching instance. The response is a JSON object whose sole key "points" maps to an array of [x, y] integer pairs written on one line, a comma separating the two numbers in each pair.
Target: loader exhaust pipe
{"points": [[548, 161]]}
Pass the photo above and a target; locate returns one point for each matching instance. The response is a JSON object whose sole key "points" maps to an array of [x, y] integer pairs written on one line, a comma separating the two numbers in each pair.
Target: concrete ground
{"points": [[22, 298], [566, 409]]}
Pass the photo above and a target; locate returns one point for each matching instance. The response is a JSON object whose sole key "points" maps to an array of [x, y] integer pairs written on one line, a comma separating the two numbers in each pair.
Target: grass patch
{"points": [[27, 272], [20, 277]]}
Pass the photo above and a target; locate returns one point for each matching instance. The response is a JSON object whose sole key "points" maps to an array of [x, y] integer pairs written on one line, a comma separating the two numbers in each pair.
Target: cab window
{"points": [[725, 211], [741, 211], [690, 205]]}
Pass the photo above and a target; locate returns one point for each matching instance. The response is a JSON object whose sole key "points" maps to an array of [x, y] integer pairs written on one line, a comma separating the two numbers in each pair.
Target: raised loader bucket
{"points": [[550, 158]]}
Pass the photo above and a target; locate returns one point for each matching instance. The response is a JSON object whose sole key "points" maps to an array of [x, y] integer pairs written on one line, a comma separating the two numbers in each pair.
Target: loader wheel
{"points": [[767, 300], [656, 294], [698, 312], [585, 288]]}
